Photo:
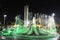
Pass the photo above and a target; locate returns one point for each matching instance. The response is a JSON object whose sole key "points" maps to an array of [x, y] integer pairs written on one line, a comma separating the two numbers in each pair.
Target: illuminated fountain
{"points": [[40, 27], [37, 30]]}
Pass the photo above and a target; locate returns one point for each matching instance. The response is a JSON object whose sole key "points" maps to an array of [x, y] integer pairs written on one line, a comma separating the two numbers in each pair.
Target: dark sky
{"points": [[12, 8]]}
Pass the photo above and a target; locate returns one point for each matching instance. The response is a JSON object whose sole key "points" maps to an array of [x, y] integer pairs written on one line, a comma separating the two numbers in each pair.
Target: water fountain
{"points": [[35, 30]]}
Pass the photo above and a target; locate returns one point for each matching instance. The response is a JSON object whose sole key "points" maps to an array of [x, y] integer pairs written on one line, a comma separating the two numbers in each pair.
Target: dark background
{"points": [[13, 8]]}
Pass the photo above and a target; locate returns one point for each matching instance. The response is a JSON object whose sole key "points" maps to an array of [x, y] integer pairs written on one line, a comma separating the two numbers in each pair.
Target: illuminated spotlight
{"points": [[53, 14], [2, 37]]}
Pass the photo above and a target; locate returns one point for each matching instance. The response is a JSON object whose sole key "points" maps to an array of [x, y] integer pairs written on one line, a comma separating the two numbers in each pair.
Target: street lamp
{"points": [[4, 18]]}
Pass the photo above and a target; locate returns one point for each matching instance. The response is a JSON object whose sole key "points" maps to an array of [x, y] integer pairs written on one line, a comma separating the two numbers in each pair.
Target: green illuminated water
{"points": [[19, 31]]}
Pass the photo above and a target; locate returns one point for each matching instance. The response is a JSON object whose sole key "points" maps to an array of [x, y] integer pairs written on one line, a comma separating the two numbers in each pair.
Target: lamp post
{"points": [[4, 19]]}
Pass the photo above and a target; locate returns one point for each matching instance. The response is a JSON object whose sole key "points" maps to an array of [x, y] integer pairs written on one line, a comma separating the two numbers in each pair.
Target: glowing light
{"points": [[34, 20], [5, 15], [45, 16], [27, 23], [9, 31], [53, 14]]}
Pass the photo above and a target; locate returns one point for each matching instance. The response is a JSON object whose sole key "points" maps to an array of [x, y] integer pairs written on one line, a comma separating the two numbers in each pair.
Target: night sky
{"points": [[13, 8]]}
